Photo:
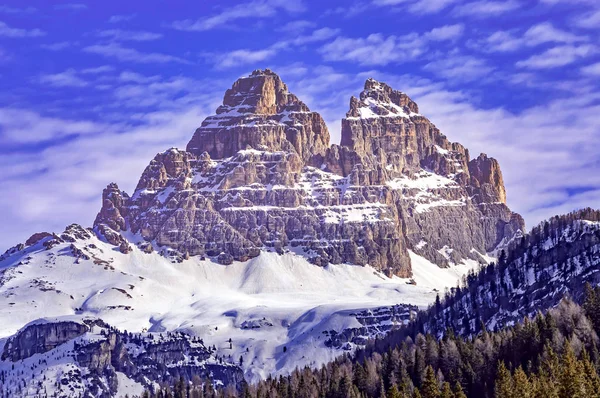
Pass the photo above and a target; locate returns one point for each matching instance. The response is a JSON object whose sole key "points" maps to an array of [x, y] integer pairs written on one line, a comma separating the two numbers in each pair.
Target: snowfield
{"points": [[274, 308]]}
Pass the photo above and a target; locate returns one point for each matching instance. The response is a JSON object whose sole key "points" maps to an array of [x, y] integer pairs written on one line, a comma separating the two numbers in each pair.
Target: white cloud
{"points": [[557, 56], [253, 9], [459, 68], [7, 31], [67, 78], [389, 2], [486, 8], [71, 6], [591, 70], [98, 70], [128, 76], [589, 20], [57, 46], [429, 6], [545, 32], [377, 49], [127, 35], [66, 180], [121, 18], [114, 50], [242, 57], [315, 36], [14, 10], [18, 126], [297, 26], [448, 32], [417, 6]]}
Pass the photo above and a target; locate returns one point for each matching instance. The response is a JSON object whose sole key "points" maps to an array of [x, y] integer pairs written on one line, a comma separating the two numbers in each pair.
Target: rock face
{"points": [[100, 352], [41, 338], [259, 113], [260, 175]]}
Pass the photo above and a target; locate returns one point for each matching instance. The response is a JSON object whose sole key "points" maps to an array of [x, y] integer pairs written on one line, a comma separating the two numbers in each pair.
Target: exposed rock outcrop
{"points": [[259, 113], [260, 174], [41, 337]]}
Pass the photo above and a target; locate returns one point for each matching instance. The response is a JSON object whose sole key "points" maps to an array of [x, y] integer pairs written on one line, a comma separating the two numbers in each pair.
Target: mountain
{"points": [[260, 174], [262, 240]]}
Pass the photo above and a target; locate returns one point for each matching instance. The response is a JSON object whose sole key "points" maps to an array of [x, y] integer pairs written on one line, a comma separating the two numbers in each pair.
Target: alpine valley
{"points": [[262, 248]]}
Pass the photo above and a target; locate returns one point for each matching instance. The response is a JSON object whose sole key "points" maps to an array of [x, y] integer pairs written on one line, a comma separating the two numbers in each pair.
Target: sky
{"points": [[91, 91]]}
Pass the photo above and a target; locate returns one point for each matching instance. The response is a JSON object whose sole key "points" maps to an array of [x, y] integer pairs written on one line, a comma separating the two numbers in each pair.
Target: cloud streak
{"points": [[254, 9], [114, 50], [8, 31]]}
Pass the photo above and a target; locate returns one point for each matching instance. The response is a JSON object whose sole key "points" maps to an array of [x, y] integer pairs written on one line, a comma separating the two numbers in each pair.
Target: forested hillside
{"points": [[533, 273], [524, 327], [551, 355]]}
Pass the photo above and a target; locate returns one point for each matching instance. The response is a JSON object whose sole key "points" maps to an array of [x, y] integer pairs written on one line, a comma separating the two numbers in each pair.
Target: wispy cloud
{"points": [[430, 6], [71, 6], [98, 70], [377, 49], [121, 18], [485, 8], [297, 26], [57, 46], [67, 78], [459, 68], [588, 20], [7, 31], [558, 56], [591, 70], [128, 35], [544, 32], [114, 50], [253, 9], [15, 10], [417, 6], [129, 76], [242, 57]]}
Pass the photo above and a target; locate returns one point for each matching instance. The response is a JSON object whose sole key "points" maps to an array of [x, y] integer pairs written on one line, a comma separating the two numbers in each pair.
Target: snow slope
{"points": [[263, 305]]}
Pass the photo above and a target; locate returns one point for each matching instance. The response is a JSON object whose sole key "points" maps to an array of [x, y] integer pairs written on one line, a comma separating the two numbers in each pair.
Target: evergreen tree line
{"points": [[534, 272], [551, 355]]}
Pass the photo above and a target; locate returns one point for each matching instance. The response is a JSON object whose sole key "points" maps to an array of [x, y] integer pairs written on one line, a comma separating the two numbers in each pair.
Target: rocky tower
{"points": [[260, 175], [259, 113]]}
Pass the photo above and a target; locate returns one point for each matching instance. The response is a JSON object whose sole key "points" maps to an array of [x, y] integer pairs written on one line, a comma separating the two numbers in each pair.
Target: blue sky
{"points": [[90, 91]]}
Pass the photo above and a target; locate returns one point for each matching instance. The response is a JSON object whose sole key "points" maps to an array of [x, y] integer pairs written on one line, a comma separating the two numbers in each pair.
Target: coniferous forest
{"points": [[550, 355]]}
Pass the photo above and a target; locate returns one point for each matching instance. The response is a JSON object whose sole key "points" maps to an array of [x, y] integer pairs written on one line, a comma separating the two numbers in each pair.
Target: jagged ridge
{"points": [[261, 174]]}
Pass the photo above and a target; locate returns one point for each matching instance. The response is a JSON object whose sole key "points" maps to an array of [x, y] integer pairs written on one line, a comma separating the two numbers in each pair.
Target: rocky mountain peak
{"points": [[259, 113], [379, 99], [263, 93], [260, 175]]}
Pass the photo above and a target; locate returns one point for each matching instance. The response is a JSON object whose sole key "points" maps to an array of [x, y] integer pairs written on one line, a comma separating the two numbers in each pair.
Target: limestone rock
{"points": [[260, 175], [41, 337], [259, 113]]}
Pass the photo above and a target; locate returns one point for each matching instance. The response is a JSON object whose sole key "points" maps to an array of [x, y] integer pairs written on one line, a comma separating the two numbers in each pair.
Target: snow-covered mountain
{"points": [[272, 247]]}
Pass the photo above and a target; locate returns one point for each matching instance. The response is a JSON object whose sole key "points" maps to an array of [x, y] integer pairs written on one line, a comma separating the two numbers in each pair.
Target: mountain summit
{"points": [[260, 174]]}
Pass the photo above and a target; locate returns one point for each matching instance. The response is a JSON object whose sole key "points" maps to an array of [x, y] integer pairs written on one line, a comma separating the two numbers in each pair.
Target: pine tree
{"points": [[458, 391], [522, 386], [430, 387], [393, 392], [592, 381], [570, 379], [504, 382], [446, 391]]}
